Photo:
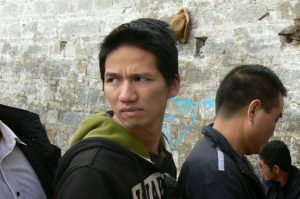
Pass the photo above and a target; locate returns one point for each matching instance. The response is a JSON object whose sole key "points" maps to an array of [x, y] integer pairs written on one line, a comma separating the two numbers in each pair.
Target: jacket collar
{"points": [[9, 136], [220, 141]]}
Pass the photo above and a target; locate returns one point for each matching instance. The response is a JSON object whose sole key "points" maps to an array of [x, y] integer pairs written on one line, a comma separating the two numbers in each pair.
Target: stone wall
{"points": [[49, 49]]}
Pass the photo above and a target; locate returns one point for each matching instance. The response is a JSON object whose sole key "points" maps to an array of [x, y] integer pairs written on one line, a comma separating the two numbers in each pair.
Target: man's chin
{"points": [[132, 124]]}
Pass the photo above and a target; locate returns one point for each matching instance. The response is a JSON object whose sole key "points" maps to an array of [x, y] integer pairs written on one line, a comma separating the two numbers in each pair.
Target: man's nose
{"points": [[128, 92]]}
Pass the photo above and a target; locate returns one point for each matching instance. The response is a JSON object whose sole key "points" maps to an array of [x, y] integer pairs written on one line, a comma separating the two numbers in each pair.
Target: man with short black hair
{"points": [[122, 153], [248, 103], [282, 179]]}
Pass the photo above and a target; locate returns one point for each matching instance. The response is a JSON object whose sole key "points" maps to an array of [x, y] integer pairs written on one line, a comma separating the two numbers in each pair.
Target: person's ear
{"points": [[276, 169], [174, 87], [253, 107]]}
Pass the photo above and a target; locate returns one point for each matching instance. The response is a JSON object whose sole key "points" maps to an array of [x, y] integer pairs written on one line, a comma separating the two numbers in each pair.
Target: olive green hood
{"points": [[103, 126]]}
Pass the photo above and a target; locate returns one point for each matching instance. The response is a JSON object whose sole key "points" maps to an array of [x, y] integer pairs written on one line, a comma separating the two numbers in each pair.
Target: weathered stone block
{"points": [[52, 116], [72, 118], [14, 30], [11, 9]]}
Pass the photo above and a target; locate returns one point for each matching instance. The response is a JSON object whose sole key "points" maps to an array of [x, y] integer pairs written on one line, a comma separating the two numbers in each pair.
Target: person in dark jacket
{"points": [[249, 102], [282, 179], [122, 153], [28, 159]]}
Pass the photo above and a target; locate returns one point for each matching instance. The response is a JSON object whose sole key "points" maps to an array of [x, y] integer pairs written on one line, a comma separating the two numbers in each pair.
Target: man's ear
{"points": [[276, 169], [174, 87], [253, 107]]}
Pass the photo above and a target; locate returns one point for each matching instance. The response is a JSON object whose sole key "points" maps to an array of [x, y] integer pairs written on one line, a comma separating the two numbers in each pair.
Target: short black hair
{"points": [[151, 35], [246, 83], [277, 153]]}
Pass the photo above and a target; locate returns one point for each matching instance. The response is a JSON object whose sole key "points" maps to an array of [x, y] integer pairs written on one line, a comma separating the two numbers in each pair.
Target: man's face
{"points": [[263, 126], [135, 89], [268, 173]]}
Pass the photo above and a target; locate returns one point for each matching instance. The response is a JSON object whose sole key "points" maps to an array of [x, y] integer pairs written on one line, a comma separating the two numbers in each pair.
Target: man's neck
{"points": [[150, 140], [231, 130], [149, 136], [283, 178]]}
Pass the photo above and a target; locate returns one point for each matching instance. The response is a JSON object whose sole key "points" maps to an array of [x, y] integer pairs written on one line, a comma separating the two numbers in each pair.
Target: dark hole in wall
{"points": [[200, 42], [63, 45]]}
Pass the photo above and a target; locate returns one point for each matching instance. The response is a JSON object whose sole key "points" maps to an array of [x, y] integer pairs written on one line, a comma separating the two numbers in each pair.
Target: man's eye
{"points": [[141, 79], [111, 80]]}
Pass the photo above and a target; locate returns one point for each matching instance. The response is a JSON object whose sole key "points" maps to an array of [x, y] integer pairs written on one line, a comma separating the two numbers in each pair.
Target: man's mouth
{"points": [[130, 112]]}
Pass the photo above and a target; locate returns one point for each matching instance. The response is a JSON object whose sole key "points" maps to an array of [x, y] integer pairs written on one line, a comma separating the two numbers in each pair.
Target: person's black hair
{"points": [[246, 83], [151, 35], [277, 153]]}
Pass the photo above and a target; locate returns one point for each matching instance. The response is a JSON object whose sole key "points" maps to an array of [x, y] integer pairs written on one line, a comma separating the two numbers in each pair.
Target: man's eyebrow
{"points": [[141, 74], [110, 74]]}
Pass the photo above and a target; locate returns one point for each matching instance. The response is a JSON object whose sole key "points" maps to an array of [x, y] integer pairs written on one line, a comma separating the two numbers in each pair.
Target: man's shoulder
{"points": [[88, 153], [208, 168], [90, 150], [203, 151], [206, 156], [295, 179], [296, 171]]}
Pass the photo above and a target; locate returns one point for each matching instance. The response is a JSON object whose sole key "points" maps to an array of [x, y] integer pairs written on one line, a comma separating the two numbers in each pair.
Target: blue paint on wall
{"points": [[189, 127], [209, 103], [168, 117], [189, 108], [183, 103]]}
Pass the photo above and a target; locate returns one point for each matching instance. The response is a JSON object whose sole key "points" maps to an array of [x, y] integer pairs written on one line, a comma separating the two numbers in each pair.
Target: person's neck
{"points": [[231, 130], [150, 139], [283, 178], [149, 135]]}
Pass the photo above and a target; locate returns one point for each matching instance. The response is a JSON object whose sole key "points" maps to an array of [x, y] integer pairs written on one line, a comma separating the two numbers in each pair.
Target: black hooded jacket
{"points": [[100, 168], [107, 161]]}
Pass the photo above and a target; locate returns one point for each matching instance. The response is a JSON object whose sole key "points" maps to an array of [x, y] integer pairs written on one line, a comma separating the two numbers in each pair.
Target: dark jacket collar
{"points": [[216, 137], [220, 141]]}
